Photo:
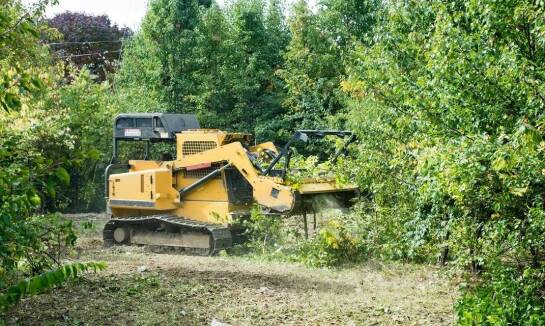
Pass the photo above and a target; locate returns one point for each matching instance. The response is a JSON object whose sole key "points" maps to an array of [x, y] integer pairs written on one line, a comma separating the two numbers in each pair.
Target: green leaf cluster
{"points": [[45, 281], [52, 134], [219, 63], [447, 100]]}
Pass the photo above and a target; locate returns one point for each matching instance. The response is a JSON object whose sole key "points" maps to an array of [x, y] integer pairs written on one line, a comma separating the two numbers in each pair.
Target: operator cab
{"points": [[150, 127]]}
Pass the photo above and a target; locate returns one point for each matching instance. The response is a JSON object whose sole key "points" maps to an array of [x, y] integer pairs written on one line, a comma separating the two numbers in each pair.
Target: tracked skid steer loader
{"points": [[190, 203]]}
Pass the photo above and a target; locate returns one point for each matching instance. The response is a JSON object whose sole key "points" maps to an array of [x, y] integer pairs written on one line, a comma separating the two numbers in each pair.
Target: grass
{"points": [[184, 290]]}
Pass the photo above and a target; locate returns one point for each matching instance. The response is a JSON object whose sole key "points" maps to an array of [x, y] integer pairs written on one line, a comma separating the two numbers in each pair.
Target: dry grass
{"points": [[186, 290]]}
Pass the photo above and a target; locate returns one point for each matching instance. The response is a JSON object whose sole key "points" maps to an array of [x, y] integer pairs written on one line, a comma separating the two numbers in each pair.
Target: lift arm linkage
{"points": [[266, 191]]}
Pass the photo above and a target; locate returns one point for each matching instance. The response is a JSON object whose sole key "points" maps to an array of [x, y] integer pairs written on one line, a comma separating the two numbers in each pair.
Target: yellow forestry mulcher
{"points": [[191, 202]]}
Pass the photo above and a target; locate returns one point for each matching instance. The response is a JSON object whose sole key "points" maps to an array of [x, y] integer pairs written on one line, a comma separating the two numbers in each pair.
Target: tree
{"points": [[448, 95], [348, 21], [312, 72], [221, 67], [19, 50], [169, 25], [88, 40], [253, 58], [138, 82], [35, 152]]}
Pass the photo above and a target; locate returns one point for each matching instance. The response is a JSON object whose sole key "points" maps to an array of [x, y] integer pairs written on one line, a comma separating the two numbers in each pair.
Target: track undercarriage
{"points": [[168, 233]]}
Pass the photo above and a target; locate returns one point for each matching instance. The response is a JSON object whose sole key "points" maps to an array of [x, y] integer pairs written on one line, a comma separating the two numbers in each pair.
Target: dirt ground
{"points": [[144, 288]]}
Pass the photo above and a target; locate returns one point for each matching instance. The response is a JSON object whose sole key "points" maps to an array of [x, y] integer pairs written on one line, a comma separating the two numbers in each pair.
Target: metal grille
{"points": [[193, 147]]}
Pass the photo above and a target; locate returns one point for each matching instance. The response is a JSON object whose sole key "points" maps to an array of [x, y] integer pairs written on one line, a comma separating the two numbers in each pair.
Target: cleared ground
{"points": [[145, 288]]}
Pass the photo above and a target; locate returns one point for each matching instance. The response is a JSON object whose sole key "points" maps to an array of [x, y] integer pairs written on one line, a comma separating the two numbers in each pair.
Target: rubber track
{"points": [[221, 235]]}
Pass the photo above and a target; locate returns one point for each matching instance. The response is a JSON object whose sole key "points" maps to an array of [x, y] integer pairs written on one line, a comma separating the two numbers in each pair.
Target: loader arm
{"points": [[266, 190]]}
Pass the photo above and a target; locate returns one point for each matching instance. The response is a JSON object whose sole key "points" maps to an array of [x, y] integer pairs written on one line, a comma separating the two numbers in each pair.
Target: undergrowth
{"points": [[503, 296], [335, 243]]}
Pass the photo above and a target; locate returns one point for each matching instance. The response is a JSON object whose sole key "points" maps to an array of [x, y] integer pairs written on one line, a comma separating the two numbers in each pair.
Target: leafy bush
{"points": [[448, 106], [265, 233], [31, 242], [333, 245], [504, 297], [336, 243], [19, 52], [42, 138]]}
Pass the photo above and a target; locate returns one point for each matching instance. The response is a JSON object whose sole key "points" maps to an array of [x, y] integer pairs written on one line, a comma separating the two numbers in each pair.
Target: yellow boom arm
{"points": [[266, 190]]}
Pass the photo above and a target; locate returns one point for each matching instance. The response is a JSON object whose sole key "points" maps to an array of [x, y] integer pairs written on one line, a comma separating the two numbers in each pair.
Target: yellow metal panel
{"points": [[131, 185], [166, 197], [194, 137], [140, 165], [267, 191], [148, 189], [205, 211]]}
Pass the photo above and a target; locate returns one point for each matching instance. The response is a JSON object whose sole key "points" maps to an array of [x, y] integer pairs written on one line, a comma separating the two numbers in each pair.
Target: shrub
{"points": [[504, 296], [333, 245], [337, 242], [265, 233]]}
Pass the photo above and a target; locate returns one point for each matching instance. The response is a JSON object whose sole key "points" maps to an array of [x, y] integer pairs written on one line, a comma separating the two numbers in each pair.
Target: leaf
{"points": [[12, 101], [519, 191], [499, 164], [37, 82], [35, 200], [63, 176], [50, 187], [45, 281], [94, 154], [29, 27]]}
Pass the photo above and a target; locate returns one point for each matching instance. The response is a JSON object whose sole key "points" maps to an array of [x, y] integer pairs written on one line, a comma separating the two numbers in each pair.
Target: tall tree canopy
{"points": [[449, 107], [49, 127], [219, 64], [19, 50]]}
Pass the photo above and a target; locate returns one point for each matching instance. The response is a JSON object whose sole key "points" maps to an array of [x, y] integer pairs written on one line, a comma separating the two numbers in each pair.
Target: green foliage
{"points": [[337, 242], [87, 114], [312, 72], [504, 297], [171, 27], [139, 63], [143, 283], [67, 129], [220, 65], [55, 131], [334, 244], [265, 233], [28, 181], [315, 59], [19, 51], [446, 101], [45, 281], [307, 167]]}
